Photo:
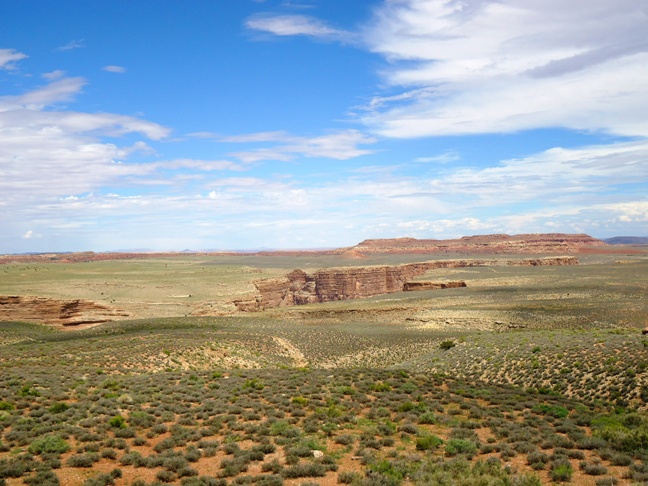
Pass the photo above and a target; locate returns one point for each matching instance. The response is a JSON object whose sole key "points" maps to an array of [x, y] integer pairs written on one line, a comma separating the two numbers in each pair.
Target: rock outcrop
{"points": [[427, 285], [66, 313], [344, 283]]}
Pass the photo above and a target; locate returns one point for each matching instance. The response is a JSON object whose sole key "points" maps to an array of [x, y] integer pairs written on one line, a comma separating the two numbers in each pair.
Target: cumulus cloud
{"points": [[503, 66], [291, 25]]}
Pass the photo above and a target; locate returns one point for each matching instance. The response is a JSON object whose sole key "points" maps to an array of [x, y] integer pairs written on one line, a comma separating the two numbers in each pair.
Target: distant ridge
{"points": [[627, 240], [530, 244]]}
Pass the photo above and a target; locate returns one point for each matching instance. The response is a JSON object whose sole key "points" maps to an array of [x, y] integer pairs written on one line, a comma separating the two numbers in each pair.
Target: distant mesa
{"points": [[532, 244], [627, 240]]}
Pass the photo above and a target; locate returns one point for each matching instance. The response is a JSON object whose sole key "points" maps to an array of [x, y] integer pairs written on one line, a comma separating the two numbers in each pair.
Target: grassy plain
{"points": [[529, 375]]}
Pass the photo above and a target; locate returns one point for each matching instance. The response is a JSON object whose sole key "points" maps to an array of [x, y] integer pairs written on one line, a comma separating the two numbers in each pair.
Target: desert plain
{"points": [[147, 369]]}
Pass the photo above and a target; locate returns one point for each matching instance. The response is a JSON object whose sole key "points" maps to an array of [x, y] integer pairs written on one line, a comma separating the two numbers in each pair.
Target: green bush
{"points": [[460, 446], [117, 422], [49, 444], [561, 470], [447, 344], [58, 407], [427, 442]]}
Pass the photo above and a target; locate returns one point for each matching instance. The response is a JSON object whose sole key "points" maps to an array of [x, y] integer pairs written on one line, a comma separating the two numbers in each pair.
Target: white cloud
{"points": [[340, 145], [290, 25], [35, 100], [114, 69], [73, 44], [503, 66], [53, 75], [8, 56]]}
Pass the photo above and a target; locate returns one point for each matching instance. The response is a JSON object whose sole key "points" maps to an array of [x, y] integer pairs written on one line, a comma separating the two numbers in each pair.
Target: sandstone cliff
{"points": [[64, 313], [346, 283]]}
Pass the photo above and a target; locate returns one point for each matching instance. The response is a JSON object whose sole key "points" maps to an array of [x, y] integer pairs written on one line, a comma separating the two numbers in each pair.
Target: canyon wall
{"points": [[346, 283]]}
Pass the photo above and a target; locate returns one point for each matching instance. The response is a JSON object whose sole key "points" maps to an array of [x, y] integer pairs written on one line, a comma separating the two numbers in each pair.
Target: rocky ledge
{"points": [[326, 285], [65, 313]]}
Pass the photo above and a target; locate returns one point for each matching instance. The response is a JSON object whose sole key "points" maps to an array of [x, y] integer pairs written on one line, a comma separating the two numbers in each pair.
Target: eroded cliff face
{"points": [[346, 283], [64, 313]]}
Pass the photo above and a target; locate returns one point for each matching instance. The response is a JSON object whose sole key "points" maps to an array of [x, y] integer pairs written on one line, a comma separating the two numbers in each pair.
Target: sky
{"points": [[278, 124]]}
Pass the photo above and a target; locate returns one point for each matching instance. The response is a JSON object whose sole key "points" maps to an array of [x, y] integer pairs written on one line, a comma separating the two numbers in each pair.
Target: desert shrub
{"points": [[561, 470], [427, 418], [593, 469], [159, 428], [268, 480], [304, 470], [139, 441], [537, 460], [42, 478], [125, 433], [203, 481], [117, 422], [58, 407], [187, 471], [556, 411], [344, 439], [233, 466], [6, 406], [447, 344], [50, 443], [620, 459], [83, 460], [175, 463], [141, 419], [348, 477], [274, 466], [427, 442], [607, 482], [460, 446], [102, 479], [109, 453], [408, 428], [166, 476]]}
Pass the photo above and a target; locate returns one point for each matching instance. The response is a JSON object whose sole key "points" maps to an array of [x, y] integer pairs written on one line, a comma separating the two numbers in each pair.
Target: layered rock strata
{"points": [[64, 313], [326, 285]]}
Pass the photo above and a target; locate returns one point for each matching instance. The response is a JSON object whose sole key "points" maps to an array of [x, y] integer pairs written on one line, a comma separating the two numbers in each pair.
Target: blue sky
{"points": [[238, 124]]}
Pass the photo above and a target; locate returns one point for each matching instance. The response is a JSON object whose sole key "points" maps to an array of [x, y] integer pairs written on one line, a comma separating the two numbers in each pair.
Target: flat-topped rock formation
{"points": [[65, 313], [344, 283], [552, 243]]}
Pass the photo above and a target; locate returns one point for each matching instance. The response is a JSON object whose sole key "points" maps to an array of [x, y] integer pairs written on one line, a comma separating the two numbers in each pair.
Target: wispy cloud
{"points": [[73, 44], [8, 57], [501, 66], [291, 25], [340, 145], [114, 69]]}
